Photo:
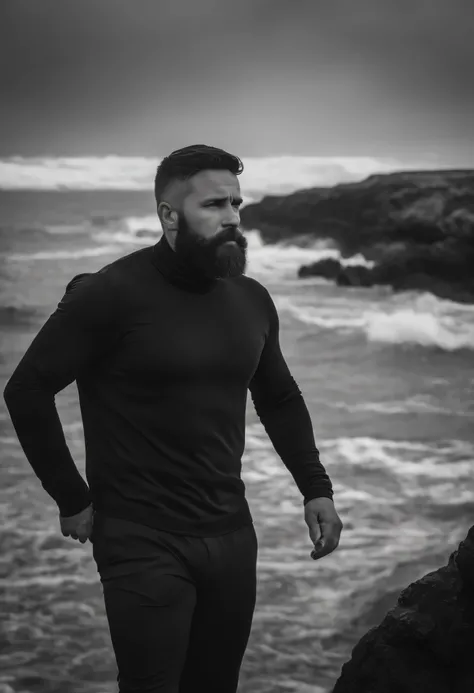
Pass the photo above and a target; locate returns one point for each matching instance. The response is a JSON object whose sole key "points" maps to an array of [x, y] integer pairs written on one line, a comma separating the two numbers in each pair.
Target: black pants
{"points": [[179, 608]]}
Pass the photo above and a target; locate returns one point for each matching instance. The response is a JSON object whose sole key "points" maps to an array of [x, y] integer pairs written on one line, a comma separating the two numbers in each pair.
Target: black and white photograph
{"points": [[236, 346]]}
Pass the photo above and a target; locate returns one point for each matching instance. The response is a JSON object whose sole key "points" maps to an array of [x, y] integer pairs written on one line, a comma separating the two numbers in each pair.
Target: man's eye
{"points": [[220, 203]]}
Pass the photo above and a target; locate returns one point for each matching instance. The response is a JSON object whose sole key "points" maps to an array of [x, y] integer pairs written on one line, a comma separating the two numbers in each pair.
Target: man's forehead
{"points": [[214, 182]]}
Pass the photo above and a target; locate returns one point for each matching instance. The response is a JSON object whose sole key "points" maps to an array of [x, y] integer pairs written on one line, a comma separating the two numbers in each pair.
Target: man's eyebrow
{"points": [[238, 200]]}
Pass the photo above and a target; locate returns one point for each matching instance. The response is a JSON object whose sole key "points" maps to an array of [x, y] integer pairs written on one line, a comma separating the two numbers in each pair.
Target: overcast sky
{"points": [[257, 77]]}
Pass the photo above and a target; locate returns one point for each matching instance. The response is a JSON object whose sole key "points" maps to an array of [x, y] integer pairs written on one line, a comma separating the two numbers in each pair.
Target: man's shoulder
{"points": [[251, 284], [254, 290], [123, 266], [111, 278], [255, 296]]}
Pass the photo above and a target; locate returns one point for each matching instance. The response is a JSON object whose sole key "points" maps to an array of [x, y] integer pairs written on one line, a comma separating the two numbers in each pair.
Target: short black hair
{"points": [[186, 162]]}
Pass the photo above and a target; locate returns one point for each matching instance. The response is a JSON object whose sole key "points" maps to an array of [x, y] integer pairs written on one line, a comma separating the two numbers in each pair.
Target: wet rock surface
{"points": [[426, 641]]}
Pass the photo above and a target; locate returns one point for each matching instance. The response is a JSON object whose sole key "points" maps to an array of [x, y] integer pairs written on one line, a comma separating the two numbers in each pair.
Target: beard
{"points": [[215, 258]]}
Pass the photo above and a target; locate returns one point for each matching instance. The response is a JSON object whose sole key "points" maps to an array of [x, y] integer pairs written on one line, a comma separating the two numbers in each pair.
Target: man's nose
{"points": [[231, 217]]}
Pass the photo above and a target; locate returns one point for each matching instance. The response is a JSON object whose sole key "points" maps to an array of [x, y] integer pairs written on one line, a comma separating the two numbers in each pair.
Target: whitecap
{"points": [[64, 254], [262, 175], [410, 326]]}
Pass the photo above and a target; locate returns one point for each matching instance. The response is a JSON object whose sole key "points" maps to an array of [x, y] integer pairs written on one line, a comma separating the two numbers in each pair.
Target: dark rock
{"points": [[426, 641], [403, 273], [327, 268], [413, 224], [418, 206], [355, 275]]}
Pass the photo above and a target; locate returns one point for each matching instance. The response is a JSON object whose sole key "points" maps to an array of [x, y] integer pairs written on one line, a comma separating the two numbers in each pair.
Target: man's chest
{"points": [[191, 342]]}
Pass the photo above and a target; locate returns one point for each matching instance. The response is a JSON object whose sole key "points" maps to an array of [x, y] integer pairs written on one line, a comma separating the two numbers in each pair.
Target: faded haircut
{"points": [[184, 163]]}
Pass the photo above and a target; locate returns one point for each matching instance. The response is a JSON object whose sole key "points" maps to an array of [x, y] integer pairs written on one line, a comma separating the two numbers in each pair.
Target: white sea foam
{"points": [[261, 176], [77, 173], [280, 262], [64, 254], [410, 326], [393, 471], [47, 581], [141, 230], [124, 238], [365, 450], [417, 404], [408, 318], [149, 223], [327, 316], [273, 262], [420, 319], [67, 229], [439, 458]]}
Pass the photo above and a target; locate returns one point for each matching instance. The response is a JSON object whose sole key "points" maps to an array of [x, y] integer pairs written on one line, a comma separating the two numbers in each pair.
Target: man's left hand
{"points": [[325, 526]]}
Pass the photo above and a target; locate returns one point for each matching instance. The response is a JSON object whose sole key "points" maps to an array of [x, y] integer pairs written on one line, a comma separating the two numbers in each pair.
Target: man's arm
{"points": [[283, 412], [81, 329]]}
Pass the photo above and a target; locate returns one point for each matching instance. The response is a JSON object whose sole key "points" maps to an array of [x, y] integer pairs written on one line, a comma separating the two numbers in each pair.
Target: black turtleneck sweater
{"points": [[162, 360]]}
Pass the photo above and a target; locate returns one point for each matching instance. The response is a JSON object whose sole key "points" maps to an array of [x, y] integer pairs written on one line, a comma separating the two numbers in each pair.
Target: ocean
{"points": [[389, 383]]}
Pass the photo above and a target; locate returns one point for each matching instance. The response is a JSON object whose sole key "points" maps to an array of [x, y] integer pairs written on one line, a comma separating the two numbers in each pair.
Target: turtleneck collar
{"points": [[177, 271]]}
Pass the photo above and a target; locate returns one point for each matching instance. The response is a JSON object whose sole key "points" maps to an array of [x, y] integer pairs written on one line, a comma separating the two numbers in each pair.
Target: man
{"points": [[164, 344]]}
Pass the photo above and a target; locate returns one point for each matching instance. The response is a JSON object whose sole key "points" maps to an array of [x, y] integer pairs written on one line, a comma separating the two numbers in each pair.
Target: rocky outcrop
{"points": [[402, 275], [418, 228], [426, 641]]}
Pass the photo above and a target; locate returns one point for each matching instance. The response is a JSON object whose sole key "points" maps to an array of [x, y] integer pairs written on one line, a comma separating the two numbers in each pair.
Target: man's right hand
{"points": [[78, 526]]}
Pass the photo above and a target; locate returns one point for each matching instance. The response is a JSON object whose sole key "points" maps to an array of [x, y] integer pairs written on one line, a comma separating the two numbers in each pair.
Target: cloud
{"points": [[271, 76]]}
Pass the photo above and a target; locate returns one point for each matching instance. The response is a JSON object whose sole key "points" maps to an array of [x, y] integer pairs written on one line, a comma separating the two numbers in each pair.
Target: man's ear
{"points": [[167, 215]]}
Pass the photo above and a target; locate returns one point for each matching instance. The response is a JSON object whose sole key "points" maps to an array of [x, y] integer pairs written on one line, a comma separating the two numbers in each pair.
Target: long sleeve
{"points": [[81, 329], [283, 412]]}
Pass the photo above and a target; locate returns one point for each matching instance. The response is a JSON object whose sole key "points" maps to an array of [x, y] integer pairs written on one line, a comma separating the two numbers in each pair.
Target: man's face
{"points": [[208, 235]]}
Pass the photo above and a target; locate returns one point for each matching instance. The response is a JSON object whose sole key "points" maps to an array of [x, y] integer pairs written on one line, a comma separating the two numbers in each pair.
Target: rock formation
{"points": [[426, 641], [418, 228]]}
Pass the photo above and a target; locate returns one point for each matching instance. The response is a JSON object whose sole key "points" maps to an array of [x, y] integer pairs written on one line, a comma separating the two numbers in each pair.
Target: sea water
{"points": [[389, 383]]}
